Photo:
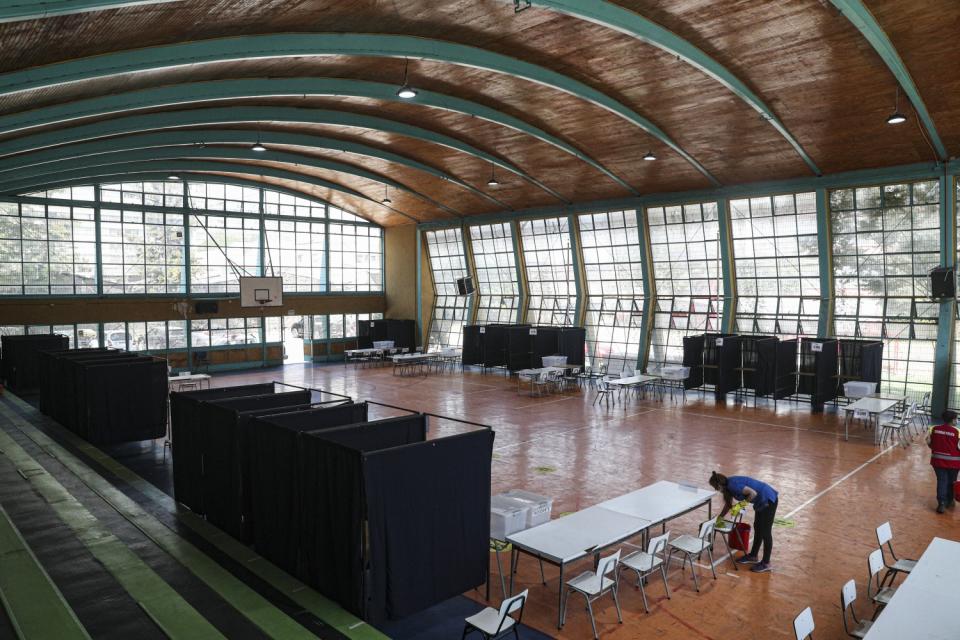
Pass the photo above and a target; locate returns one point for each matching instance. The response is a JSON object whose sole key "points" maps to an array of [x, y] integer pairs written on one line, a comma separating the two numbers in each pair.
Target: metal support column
{"points": [[649, 289], [939, 399], [726, 259], [825, 251], [522, 287], [420, 332], [580, 278], [473, 303]]}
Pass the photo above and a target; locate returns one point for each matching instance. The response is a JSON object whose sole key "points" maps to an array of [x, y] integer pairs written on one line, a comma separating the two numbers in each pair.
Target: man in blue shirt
{"points": [[764, 499]]}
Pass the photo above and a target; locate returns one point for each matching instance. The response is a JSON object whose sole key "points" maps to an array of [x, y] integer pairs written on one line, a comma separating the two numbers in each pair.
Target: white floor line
{"points": [[835, 484], [771, 424], [540, 404], [544, 436]]}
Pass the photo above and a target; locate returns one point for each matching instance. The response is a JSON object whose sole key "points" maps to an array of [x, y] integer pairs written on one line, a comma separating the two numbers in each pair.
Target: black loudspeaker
{"points": [[942, 283], [206, 307], [465, 286]]}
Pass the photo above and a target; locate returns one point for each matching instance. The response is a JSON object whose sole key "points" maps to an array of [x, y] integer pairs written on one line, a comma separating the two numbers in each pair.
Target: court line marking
{"points": [[771, 424]]}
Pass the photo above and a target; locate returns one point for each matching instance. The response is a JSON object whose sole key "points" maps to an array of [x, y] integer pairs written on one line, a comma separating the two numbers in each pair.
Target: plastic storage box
{"points": [[675, 371], [539, 506], [858, 388], [507, 516]]}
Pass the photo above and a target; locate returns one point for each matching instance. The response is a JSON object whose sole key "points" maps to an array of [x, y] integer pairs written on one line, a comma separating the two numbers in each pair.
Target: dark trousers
{"points": [[945, 481], [763, 531]]}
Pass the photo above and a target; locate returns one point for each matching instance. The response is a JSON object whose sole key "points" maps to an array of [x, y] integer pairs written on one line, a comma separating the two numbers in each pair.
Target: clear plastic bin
{"points": [[539, 506], [858, 388], [507, 516]]}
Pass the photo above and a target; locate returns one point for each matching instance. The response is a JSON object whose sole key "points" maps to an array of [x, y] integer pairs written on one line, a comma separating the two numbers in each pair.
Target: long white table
{"points": [[531, 374], [589, 531], [199, 378], [632, 381], [872, 406], [924, 606]]}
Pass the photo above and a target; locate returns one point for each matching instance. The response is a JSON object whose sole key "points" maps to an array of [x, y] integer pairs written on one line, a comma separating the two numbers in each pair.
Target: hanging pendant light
{"points": [[406, 91], [493, 182], [386, 195], [896, 117], [173, 176], [649, 156]]}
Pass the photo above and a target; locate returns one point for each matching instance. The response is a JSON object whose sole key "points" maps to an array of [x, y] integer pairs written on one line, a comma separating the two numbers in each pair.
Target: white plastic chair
{"points": [[803, 625], [725, 529], [882, 595], [593, 585], [898, 426], [603, 390], [847, 595], [648, 562], [692, 548], [497, 623], [885, 537]]}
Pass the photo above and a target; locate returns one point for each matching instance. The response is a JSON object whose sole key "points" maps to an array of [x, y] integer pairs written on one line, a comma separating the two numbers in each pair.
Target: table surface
{"points": [[534, 372], [873, 405], [363, 350], [191, 377], [632, 380], [576, 535], [414, 356], [923, 606]]}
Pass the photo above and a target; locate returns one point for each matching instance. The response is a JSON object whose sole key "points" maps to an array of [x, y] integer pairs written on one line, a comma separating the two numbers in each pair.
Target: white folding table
{"points": [[589, 531], [924, 606], [533, 373], [632, 381], [199, 378], [872, 406]]}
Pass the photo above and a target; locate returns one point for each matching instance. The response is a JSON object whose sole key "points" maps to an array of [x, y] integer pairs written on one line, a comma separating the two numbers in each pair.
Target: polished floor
{"points": [[836, 492]]}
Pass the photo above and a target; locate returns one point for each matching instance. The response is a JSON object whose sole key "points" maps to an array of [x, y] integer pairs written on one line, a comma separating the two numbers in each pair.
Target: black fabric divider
{"points": [[187, 462], [401, 332], [728, 361], [495, 345], [519, 348], [817, 374], [223, 451], [472, 345], [274, 477], [572, 344], [786, 369], [20, 358], [759, 364], [871, 363], [126, 401], [693, 357], [332, 502], [859, 360], [434, 498], [545, 343], [55, 397]]}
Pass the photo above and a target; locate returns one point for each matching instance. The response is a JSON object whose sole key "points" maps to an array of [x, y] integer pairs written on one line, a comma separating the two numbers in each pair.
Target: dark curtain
{"points": [[495, 345], [545, 343], [693, 357], [364, 337], [402, 332], [871, 362], [125, 401], [519, 347], [428, 511], [786, 369], [728, 360], [472, 345], [572, 343], [379, 434], [21, 364], [826, 368]]}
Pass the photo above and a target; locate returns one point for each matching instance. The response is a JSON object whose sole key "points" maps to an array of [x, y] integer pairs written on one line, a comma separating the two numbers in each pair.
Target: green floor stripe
{"points": [[36, 607], [176, 618], [272, 621], [312, 601]]}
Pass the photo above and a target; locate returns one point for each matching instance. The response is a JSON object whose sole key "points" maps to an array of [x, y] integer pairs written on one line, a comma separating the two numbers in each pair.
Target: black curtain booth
{"points": [[572, 343], [52, 396], [224, 453], [818, 367], [726, 349], [711, 357], [859, 360], [275, 480], [20, 363], [546, 342], [422, 546], [472, 344], [402, 332], [786, 369], [519, 348], [61, 391], [495, 345], [693, 357], [187, 469], [758, 362]]}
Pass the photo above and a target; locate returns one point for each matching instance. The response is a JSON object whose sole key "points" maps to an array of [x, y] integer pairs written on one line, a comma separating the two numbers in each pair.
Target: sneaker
{"points": [[747, 559], [760, 567], [940, 508]]}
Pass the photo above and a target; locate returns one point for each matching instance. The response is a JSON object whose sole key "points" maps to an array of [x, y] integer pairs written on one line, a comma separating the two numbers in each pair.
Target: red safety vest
{"points": [[945, 453]]}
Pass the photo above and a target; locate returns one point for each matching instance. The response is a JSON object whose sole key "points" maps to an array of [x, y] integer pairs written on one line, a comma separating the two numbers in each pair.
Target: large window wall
{"points": [[175, 237], [685, 249], [548, 256], [496, 267], [777, 266], [447, 263], [886, 238], [614, 269]]}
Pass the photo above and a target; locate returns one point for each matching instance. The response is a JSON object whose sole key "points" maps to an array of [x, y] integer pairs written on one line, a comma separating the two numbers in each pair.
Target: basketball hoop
{"points": [[261, 296]]}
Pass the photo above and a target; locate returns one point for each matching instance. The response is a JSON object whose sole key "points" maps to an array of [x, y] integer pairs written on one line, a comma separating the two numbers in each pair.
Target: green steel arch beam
{"points": [[239, 115], [166, 167], [194, 92], [201, 137], [863, 20], [323, 44], [37, 9], [633, 24], [211, 153], [189, 177]]}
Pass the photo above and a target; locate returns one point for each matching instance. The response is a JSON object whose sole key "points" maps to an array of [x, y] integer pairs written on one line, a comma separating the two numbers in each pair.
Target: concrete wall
{"points": [[400, 249]]}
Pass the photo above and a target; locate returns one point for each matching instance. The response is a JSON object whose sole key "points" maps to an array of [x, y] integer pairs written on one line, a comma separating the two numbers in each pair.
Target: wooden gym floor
{"points": [[835, 491]]}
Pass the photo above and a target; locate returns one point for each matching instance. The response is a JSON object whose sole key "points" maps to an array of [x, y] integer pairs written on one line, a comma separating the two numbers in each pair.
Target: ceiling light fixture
{"points": [[406, 91], [493, 182], [386, 195], [896, 117], [258, 147], [173, 176], [649, 156]]}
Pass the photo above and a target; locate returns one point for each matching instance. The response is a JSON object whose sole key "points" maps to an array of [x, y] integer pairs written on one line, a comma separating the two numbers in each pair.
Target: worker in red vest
{"points": [[944, 443]]}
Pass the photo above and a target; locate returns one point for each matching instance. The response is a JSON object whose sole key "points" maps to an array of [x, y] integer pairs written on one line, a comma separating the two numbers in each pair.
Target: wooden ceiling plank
{"points": [[39, 9]]}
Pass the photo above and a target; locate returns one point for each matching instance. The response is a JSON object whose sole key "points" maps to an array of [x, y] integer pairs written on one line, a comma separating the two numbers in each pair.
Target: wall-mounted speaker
{"points": [[465, 286], [206, 308], [942, 283]]}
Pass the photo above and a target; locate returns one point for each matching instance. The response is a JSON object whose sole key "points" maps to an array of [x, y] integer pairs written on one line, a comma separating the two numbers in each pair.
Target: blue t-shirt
{"points": [[765, 493]]}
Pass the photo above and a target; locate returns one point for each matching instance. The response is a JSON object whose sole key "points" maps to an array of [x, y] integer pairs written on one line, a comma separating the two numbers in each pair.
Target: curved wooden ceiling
{"points": [[801, 62]]}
